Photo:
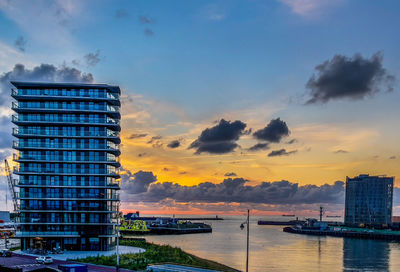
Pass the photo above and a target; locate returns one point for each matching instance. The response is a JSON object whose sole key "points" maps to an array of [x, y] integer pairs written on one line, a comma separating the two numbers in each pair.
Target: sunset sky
{"points": [[272, 101]]}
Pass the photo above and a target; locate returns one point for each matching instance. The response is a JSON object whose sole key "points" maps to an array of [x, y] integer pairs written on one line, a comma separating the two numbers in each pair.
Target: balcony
{"points": [[76, 184], [47, 234], [65, 171], [62, 94], [65, 120], [25, 195], [62, 107], [61, 146], [61, 159]]}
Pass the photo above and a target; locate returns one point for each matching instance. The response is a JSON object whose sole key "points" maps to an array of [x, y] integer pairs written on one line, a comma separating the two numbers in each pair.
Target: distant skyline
{"points": [[226, 104]]}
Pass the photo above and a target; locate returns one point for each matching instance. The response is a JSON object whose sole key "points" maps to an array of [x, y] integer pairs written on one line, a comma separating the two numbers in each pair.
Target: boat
{"points": [[288, 215]]}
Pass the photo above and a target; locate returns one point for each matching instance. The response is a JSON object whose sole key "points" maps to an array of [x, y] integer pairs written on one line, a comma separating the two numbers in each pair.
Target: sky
{"points": [[226, 105]]}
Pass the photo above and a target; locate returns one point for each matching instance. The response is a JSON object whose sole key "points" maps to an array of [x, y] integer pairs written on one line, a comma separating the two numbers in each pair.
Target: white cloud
{"points": [[309, 8], [214, 12]]}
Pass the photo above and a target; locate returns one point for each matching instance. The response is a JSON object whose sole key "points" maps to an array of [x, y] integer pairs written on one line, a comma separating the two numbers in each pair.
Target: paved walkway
{"points": [[83, 254], [28, 263]]}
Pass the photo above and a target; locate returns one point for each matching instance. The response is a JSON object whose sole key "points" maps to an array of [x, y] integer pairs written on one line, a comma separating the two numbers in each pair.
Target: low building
{"points": [[369, 200]]}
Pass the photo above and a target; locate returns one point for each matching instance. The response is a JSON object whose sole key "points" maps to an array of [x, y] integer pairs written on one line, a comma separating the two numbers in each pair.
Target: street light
{"points": [[117, 248], [247, 222]]}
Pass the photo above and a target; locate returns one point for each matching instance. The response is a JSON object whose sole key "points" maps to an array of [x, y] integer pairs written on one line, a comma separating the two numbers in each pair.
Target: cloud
{"points": [[20, 43], [235, 190], [259, 146], [213, 12], [5, 132], [148, 32], [92, 59], [281, 152], [121, 13], [292, 141], [349, 78], [142, 154], [145, 20], [41, 73], [219, 139], [273, 132], [138, 182], [137, 135], [231, 174], [309, 8], [174, 144], [341, 151], [392, 158], [154, 139]]}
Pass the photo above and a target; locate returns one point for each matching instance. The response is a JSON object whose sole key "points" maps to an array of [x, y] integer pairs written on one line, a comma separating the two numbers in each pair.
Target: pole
{"points": [[247, 252], [117, 238]]}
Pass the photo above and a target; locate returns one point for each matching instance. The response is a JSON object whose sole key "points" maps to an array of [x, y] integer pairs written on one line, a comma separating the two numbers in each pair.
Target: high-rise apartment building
{"points": [[68, 156], [369, 200]]}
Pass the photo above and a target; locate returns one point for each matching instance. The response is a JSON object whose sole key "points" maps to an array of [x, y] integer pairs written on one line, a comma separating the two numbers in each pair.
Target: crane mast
{"points": [[11, 185]]}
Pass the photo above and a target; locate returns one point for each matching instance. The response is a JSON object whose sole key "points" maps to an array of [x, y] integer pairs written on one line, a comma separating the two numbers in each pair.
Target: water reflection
{"points": [[365, 255]]}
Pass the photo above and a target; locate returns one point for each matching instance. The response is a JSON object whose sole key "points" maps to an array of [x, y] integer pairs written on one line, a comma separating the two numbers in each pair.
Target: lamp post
{"points": [[117, 248], [247, 222]]}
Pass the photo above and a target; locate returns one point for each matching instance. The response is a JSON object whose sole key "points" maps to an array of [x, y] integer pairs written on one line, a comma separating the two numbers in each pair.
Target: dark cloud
{"points": [[174, 144], [138, 182], [154, 139], [349, 78], [148, 32], [41, 73], [259, 146], [121, 13], [281, 152], [273, 132], [219, 139], [392, 158], [20, 43], [146, 20], [292, 141], [236, 190], [231, 174], [166, 169], [92, 59], [183, 173], [341, 151], [137, 135]]}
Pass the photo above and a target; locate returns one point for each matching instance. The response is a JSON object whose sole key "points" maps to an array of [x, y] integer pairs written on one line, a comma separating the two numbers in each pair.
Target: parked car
{"points": [[5, 253], [44, 260]]}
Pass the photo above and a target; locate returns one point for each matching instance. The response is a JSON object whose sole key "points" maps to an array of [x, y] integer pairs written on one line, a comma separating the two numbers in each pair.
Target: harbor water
{"points": [[271, 249]]}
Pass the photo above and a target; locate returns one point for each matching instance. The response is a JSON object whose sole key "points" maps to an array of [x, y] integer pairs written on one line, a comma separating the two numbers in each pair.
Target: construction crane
{"points": [[11, 185]]}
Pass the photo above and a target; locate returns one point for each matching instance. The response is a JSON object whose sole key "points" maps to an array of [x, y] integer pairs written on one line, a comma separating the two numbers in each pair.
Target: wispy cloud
{"points": [[214, 12], [309, 8]]}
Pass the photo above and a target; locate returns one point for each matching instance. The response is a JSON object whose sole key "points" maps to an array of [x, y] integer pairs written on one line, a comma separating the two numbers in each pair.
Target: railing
{"points": [[103, 159], [65, 171], [69, 209], [66, 184], [66, 195], [61, 106], [110, 146], [69, 93], [65, 133], [61, 221], [61, 119], [46, 233]]}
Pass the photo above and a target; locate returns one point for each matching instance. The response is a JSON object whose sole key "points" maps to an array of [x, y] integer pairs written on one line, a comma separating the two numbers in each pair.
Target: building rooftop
{"points": [[27, 84]]}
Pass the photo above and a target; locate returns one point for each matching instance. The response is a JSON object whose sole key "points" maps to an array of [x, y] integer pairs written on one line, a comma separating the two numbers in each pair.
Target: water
{"points": [[271, 249]]}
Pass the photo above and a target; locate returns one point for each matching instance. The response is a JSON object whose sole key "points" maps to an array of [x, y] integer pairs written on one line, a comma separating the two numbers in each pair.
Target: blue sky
{"points": [[187, 64]]}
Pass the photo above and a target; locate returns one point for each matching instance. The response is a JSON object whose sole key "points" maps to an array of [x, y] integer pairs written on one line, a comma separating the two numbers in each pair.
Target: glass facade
{"points": [[369, 200], [68, 164]]}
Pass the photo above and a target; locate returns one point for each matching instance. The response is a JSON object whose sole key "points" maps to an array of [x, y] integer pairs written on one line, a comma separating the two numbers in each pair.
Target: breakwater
{"points": [[362, 233]]}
